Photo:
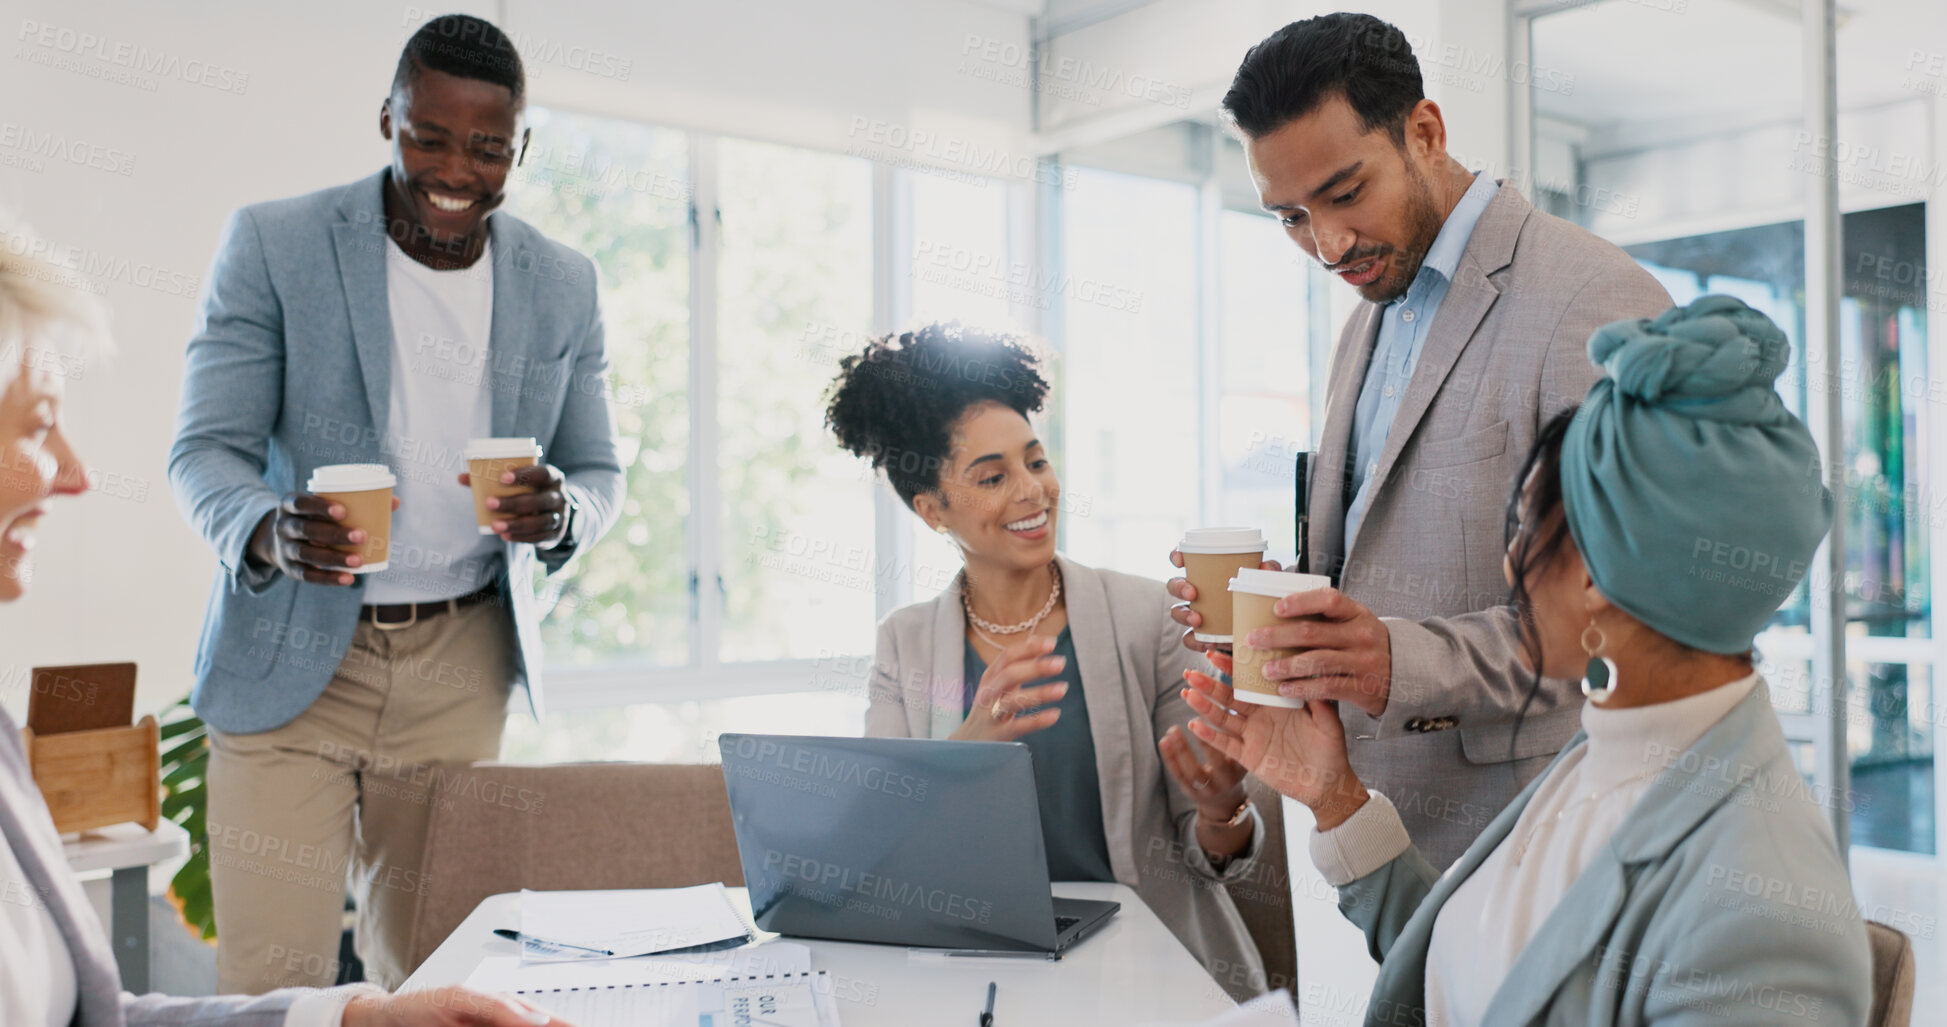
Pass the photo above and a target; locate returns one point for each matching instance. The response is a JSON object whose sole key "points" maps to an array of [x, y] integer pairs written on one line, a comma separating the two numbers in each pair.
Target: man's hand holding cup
{"points": [[538, 514], [515, 495], [339, 528]]}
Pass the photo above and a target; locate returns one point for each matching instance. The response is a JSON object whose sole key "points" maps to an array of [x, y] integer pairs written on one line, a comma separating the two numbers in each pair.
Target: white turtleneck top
{"points": [[1487, 921]]}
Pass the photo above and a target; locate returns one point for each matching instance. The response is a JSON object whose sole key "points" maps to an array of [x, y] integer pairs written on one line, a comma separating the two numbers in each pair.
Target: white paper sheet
{"points": [[1271, 1009], [509, 973], [628, 923], [800, 1000]]}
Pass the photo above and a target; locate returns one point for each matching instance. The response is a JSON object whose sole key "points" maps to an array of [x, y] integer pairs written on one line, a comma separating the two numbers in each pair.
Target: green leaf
{"points": [[187, 725], [182, 775]]}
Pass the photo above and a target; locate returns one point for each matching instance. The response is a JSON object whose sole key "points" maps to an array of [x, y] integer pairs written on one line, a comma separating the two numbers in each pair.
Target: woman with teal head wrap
{"points": [[1693, 495], [1669, 866]]}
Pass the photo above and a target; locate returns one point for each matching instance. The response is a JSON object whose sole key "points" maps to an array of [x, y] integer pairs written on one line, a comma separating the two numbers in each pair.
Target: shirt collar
{"points": [[1443, 257]]}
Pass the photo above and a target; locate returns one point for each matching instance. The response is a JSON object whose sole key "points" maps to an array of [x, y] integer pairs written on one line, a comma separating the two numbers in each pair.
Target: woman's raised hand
{"points": [[1000, 704], [1299, 752]]}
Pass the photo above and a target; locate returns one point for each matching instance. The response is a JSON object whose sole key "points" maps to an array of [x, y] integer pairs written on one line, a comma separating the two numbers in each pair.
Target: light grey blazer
{"points": [[291, 368], [1720, 899], [1507, 350], [1131, 664], [28, 830]]}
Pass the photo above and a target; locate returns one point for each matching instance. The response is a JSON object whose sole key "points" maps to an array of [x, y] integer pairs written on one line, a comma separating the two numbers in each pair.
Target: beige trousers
{"points": [[346, 788]]}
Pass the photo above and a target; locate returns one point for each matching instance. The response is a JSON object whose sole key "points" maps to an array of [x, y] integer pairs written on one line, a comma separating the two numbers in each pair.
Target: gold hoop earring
{"points": [[1599, 675]]}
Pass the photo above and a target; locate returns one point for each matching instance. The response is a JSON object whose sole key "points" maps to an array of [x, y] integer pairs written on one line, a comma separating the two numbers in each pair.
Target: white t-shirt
{"points": [[441, 397]]}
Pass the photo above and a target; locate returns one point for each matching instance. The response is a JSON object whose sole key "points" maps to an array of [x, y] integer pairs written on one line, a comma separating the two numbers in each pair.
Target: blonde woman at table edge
{"points": [[1670, 867], [1084, 666], [56, 966]]}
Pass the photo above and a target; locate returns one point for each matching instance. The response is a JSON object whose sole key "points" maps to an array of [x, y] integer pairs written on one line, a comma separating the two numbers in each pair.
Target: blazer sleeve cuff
{"points": [[1367, 840], [326, 1006], [245, 573], [1419, 662], [1235, 868]]}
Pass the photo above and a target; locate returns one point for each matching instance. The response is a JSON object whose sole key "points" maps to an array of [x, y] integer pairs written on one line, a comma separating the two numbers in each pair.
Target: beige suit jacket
{"points": [[1505, 352], [1131, 664]]}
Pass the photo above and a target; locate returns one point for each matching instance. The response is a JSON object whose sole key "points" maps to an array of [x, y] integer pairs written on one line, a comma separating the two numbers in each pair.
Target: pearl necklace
{"points": [[982, 627], [1559, 814]]}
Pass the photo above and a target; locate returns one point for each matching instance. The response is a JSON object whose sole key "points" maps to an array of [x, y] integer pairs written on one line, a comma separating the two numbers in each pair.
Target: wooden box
{"points": [[93, 767]]}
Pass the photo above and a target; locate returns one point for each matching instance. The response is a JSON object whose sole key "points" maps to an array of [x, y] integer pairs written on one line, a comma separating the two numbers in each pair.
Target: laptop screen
{"points": [[897, 840]]}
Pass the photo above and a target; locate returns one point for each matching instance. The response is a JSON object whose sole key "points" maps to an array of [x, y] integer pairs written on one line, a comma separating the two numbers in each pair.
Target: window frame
{"points": [[706, 675]]}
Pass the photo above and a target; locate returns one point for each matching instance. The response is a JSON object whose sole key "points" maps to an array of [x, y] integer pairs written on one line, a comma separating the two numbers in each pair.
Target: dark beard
{"points": [[1423, 224]]}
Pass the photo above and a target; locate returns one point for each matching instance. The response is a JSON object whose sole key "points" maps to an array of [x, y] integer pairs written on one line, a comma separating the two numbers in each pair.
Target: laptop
{"points": [[899, 841]]}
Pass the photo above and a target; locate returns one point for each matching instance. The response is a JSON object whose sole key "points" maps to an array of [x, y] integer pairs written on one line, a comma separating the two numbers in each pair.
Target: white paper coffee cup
{"points": [[1253, 593]]}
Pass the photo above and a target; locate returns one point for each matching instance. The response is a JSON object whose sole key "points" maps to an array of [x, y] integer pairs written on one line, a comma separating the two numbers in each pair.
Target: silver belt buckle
{"points": [[396, 625]]}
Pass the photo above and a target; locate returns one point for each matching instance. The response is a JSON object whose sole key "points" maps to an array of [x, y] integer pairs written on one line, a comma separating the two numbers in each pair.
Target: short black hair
{"points": [[896, 402], [464, 46], [1300, 66]]}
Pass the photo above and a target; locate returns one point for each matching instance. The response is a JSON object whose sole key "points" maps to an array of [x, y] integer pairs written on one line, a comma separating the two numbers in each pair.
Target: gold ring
{"points": [[999, 712]]}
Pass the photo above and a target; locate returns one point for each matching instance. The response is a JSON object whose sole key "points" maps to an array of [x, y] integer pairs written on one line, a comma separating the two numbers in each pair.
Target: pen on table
{"points": [[987, 1016], [528, 939], [1303, 565]]}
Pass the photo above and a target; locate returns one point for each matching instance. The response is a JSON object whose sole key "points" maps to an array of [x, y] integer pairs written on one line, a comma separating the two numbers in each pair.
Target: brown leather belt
{"points": [[393, 616]]}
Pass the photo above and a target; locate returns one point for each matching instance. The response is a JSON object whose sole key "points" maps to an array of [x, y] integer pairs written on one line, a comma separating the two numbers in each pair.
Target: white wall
{"points": [[121, 577], [1174, 59]]}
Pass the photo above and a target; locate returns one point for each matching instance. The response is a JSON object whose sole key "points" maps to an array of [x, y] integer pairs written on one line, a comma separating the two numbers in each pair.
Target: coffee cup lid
{"points": [[1276, 584], [502, 448], [350, 478], [1221, 540]]}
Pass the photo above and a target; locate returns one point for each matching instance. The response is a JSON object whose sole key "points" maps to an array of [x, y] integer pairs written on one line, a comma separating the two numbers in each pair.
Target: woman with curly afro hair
{"points": [[1083, 666]]}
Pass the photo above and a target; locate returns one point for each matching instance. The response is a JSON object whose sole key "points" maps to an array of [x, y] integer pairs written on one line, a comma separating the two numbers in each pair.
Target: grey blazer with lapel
{"points": [[291, 368], [1507, 350], [28, 831], [1720, 899], [1131, 664]]}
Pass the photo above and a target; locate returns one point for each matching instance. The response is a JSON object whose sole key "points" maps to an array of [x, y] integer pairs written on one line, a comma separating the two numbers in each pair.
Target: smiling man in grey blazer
{"points": [[384, 322], [1476, 312]]}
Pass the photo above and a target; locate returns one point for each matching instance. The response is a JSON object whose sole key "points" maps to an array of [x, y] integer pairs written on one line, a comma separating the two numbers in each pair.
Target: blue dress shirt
{"points": [[1402, 328]]}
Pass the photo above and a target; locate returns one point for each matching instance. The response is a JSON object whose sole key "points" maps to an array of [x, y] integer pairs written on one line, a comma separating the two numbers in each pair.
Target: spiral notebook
{"points": [[770, 1000]]}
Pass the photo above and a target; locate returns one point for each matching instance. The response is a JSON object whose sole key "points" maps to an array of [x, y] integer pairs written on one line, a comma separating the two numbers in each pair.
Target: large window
{"points": [[797, 546], [1264, 406], [753, 557], [1703, 173], [1128, 383], [619, 193], [1614, 150]]}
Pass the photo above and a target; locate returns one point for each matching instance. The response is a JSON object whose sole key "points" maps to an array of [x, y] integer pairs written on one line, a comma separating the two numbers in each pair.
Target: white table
{"points": [[127, 851], [1132, 971]]}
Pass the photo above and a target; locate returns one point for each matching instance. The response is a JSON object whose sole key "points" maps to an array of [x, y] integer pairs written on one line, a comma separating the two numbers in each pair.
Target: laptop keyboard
{"points": [[1063, 923]]}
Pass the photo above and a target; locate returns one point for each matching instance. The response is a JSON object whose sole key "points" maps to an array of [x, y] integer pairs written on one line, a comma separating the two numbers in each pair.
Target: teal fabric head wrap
{"points": [[1694, 496]]}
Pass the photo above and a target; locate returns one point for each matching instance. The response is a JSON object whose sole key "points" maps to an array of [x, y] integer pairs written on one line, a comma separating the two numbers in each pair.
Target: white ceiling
{"points": [[1637, 62]]}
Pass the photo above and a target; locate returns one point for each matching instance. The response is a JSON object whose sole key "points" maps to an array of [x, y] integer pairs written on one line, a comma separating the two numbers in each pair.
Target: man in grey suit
{"points": [[1477, 311], [389, 322]]}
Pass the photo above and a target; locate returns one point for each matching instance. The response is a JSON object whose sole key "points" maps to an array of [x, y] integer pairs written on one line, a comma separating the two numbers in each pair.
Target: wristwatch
{"points": [[568, 517]]}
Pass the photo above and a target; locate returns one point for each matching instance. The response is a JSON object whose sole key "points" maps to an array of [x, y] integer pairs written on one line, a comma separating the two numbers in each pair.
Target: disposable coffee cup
{"points": [[1253, 593], [486, 461], [365, 491], [1211, 557]]}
